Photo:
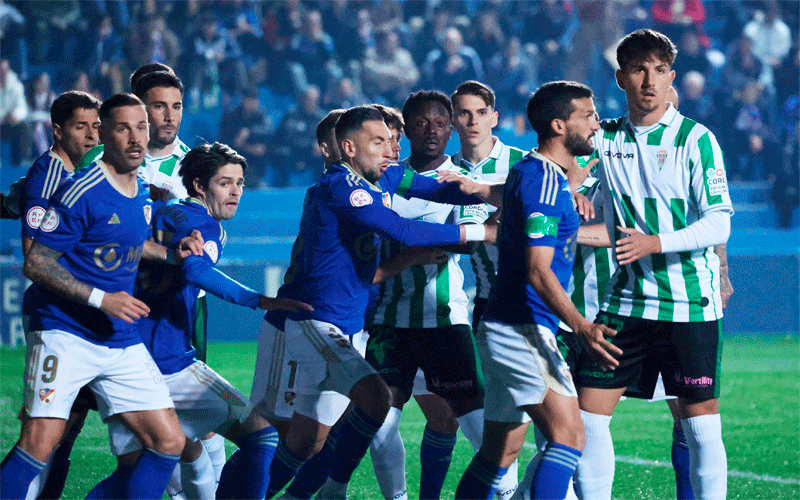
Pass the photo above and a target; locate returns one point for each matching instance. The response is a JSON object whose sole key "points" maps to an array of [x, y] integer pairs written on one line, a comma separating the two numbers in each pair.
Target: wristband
{"points": [[96, 298], [475, 232]]}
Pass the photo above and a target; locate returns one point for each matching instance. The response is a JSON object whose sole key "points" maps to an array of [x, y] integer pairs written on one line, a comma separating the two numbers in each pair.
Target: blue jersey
{"points": [[335, 256], [167, 330], [537, 211], [101, 233], [43, 178]]}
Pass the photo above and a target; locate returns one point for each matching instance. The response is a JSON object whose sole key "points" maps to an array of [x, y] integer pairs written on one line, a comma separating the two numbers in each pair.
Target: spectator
{"points": [[353, 42], [675, 17], [756, 148], [447, 67], [692, 55], [13, 115], [427, 33], [344, 95], [13, 43], [786, 180], [312, 58], [788, 74], [300, 161], [695, 104], [489, 37], [771, 38], [512, 76], [389, 71], [152, 41], [246, 128], [40, 98], [551, 28]]}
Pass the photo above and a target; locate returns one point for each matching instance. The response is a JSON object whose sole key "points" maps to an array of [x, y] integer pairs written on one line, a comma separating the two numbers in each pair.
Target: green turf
{"points": [[760, 406]]}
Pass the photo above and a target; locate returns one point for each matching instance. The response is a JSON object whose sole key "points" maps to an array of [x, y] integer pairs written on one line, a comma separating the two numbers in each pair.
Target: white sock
{"points": [[215, 447], [595, 473], [332, 490], [389, 457], [472, 426], [509, 482], [707, 459]]}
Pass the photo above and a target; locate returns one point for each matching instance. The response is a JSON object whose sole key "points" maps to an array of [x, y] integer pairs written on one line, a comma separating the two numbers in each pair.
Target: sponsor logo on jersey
{"points": [[114, 219], [387, 200], [49, 221], [662, 157], [360, 198], [34, 217], [613, 154], [211, 249], [46, 395], [289, 397], [148, 213], [474, 212], [539, 225], [717, 182]]}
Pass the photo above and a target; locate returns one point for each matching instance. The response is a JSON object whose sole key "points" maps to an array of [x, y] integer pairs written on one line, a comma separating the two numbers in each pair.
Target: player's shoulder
{"points": [[341, 186], [88, 180], [45, 175], [513, 155], [690, 132], [90, 157]]}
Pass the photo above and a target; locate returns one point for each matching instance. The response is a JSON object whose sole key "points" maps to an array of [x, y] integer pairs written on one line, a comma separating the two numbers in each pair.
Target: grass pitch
{"points": [[760, 407]]}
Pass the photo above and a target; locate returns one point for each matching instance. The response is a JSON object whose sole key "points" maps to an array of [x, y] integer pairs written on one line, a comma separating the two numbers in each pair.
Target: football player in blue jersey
{"points": [[334, 262], [526, 377], [83, 263]]}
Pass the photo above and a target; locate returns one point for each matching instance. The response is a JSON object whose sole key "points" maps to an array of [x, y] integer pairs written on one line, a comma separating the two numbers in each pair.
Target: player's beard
{"points": [[160, 139], [577, 145]]}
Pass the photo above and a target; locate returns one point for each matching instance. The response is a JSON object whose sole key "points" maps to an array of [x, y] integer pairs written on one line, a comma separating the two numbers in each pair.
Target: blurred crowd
{"points": [[737, 67]]}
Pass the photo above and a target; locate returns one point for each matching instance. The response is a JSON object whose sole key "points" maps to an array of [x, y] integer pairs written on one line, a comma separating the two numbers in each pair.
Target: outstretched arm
{"points": [[410, 256]]}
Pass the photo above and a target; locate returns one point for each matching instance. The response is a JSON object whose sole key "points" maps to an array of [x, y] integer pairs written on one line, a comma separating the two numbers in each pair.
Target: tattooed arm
{"points": [[42, 267], [726, 288]]}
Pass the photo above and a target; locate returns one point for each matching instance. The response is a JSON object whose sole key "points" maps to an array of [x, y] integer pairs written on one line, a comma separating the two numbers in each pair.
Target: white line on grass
{"points": [[731, 473]]}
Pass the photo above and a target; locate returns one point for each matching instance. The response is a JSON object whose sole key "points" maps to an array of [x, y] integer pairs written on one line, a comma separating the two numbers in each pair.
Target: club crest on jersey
{"points": [[34, 217], [387, 200], [360, 198], [211, 249], [662, 157], [289, 397], [148, 213], [49, 221], [46, 395]]}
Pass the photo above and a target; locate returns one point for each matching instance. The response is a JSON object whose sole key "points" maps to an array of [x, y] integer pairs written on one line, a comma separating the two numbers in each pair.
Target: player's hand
{"points": [[282, 304], [121, 305], [726, 289], [191, 245], [584, 207], [601, 350], [636, 245], [465, 184], [424, 256]]}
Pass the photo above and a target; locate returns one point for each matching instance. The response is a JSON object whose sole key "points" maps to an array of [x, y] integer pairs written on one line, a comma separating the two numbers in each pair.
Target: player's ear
{"points": [[197, 186], [348, 148], [618, 75], [495, 117], [58, 134], [558, 126]]}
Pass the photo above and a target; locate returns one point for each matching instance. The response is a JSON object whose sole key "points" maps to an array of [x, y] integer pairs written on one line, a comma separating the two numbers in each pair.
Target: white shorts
{"points": [[204, 402], [276, 393], [520, 363], [58, 364]]}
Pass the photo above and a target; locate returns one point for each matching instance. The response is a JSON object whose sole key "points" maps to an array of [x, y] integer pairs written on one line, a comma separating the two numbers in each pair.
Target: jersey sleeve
{"points": [[365, 207], [413, 185], [39, 187], [63, 225], [709, 179], [541, 200], [201, 273]]}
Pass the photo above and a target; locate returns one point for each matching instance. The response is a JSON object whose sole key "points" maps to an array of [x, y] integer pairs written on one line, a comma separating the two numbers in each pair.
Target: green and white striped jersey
{"points": [[494, 168], [426, 296], [661, 179], [593, 266], [161, 172]]}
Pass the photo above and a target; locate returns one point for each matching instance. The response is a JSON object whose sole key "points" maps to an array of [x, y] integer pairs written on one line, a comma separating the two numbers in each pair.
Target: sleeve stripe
{"points": [[80, 187], [549, 186], [53, 176]]}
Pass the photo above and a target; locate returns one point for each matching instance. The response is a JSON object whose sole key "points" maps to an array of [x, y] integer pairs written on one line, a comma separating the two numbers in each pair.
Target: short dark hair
{"points": [[417, 99], [391, 116], [156, 79], [353, 119], [148, 68], [553, 100], [117, 101], [65, 105], [203, 163], [326, 127], [641, 44], [471, 87]]}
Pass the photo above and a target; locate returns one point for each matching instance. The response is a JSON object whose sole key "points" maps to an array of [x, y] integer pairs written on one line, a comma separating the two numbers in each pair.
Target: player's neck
{"points": [[126, 181], [421, 163], [65, 159], [158, 150], [478, 153], [645, 119], [557, 153]]}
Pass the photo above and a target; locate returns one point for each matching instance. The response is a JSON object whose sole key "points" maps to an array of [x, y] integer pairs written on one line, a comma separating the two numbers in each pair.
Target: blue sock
{"points": [[480, 480], [435, 455], [112, 486], [150, 475], [355, 436], [227, 487], [680, 462], [257, 449], [313, 474], [16, 473], [284, 467], [556, 468], [59, 466]]}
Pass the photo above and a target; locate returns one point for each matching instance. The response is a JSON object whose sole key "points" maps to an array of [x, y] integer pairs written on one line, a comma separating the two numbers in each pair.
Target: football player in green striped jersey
{"points": [[667, 206]]}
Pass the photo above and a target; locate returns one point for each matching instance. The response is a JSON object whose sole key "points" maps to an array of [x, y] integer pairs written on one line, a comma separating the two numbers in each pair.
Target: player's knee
{"points": [[169, 440], [372, 395]]}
